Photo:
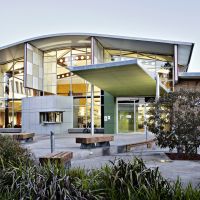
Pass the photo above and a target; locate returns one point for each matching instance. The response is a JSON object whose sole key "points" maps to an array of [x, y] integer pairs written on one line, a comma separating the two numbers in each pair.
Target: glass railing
{"points": [[164, 69]]}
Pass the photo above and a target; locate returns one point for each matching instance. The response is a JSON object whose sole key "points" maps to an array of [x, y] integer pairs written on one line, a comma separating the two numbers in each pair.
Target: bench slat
{"points": [[94, 139], [60, 157]]}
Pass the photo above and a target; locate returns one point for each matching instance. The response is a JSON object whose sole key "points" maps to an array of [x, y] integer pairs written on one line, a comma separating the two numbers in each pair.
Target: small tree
{"points": [[175, 120]]}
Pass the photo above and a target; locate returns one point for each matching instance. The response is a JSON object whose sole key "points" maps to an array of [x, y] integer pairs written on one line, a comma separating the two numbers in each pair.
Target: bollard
{"points": [[52, 138]]}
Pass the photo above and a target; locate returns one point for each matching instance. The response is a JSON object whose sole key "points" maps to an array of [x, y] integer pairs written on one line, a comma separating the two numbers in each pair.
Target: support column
{"points": [[6, 96], [92, 109], [70, 86], [134, 117], [13, 88], [157, 96], [175, 63], [92, 89], [145, 120], [157, 86], [117, 128]]}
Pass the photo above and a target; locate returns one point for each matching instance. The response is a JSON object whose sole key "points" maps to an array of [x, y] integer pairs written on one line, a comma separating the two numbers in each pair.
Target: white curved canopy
{"points": [[48, 42]]}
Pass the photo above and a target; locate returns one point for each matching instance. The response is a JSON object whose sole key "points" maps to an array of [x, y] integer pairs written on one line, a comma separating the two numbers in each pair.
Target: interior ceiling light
{"points": [[84, 41], [61, 60], [82, 57]]}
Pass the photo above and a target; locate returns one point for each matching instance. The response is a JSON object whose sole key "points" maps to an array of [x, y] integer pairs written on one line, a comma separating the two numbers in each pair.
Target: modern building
{"points": [[67, 82]]}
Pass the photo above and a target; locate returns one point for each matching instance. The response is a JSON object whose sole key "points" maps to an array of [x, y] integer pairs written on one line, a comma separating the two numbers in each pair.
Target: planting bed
{"points": [[183, 156]]}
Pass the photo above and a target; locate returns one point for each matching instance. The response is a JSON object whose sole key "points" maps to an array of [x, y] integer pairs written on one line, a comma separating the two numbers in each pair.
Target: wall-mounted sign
{"points": [[105, 118]]}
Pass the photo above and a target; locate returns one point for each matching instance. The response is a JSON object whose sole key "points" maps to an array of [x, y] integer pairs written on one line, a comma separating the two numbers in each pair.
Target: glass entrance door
{"points": [[131, 116], [125, 117]]}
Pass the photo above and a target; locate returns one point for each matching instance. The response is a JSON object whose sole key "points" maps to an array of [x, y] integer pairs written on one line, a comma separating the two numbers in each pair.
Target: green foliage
{"points": [[21, 178], [119, 180], [12, 152], [40, 182], [175, 120]]}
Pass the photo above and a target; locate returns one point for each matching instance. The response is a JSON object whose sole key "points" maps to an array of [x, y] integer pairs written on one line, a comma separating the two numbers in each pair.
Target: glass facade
{"points": [[46, 73], [12, 90]]}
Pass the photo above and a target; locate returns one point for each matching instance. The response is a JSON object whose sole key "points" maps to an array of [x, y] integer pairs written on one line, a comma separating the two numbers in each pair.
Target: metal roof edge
{"points": [[189, 75], [103, 65], [96, 35]]}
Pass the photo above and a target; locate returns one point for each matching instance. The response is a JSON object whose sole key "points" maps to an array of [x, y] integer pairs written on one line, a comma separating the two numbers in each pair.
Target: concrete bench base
{"points": [[102, 144], [60, 158], [87, 146]]}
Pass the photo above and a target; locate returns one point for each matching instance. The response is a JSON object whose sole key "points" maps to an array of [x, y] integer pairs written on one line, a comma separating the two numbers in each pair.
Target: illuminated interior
{"points": [[18, 80]]}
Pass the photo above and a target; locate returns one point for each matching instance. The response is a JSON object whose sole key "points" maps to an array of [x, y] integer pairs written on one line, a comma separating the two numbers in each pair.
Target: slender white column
{"points": [[157, 86], [134, 117], [175, 63], [70, 87], [145, 120], [13, 86], [92, 89], [92, 109]]}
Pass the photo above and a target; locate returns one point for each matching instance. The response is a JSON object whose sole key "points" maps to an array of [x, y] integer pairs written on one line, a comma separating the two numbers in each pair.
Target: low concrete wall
{"points": [[81, 130], [10, 130]]}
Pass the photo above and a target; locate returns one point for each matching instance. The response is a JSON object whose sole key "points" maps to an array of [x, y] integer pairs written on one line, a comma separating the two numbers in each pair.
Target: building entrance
{"points": [[131, 115]]}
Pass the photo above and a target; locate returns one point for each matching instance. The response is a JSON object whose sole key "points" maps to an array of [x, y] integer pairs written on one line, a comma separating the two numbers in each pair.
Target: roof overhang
{"points": [[120, 79], [55, 41]]}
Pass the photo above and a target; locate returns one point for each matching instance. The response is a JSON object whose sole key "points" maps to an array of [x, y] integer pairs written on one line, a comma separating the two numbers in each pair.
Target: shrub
{"points": [[12, 152], [40, 182], [175, 121], [120, 180]]}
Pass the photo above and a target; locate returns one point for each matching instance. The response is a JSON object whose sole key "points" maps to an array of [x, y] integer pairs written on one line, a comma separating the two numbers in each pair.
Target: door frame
{"points": [[134, 99]]}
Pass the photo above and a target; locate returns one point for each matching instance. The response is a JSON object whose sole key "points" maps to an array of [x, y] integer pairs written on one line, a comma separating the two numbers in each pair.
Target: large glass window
{"points": [[67, 82], [11, 92], [50, 72], [82, 109]]}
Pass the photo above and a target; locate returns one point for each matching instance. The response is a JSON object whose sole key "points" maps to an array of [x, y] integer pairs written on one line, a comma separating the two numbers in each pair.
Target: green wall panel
{"points": [[109, 111]]}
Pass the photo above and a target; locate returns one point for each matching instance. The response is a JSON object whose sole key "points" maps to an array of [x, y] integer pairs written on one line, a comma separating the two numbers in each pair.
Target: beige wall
{"points": [[188, 84]]}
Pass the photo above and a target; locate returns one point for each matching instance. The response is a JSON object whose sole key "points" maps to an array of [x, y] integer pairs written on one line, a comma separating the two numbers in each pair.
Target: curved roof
{"points": [[54, 41]]}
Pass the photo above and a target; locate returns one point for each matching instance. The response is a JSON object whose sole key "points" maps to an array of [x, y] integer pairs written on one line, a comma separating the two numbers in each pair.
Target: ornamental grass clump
{"points": [[132, 180], [40, 182], [12, 152]]}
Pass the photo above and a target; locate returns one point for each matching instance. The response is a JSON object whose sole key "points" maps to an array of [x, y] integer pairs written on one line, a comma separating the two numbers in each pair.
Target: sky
{"points": [[158, 19]]}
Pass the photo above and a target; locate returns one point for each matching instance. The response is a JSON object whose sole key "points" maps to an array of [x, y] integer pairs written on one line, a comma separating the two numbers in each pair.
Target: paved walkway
{"points": [[41, 144], [188, 171]]}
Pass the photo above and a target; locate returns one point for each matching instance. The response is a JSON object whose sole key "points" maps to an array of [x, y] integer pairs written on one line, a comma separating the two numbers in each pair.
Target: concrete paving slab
{"points": [[41, 144]]}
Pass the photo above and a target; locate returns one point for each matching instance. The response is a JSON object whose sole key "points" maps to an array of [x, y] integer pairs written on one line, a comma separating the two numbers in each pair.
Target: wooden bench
{"points": [[60, 158], [23, 136], [127, 147], [89, 142]]}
